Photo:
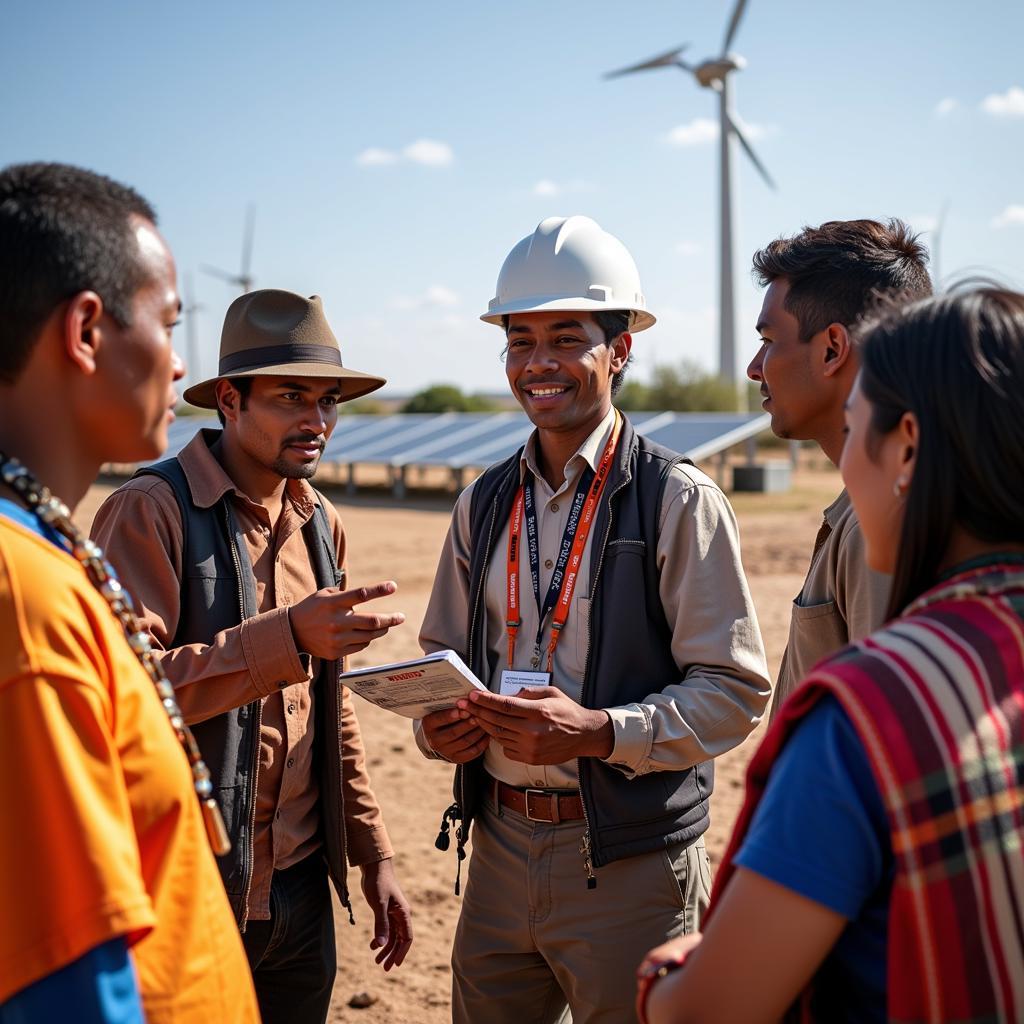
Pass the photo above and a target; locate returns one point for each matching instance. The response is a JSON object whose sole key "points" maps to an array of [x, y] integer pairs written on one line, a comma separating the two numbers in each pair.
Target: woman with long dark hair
{"points": [[876, 869]]}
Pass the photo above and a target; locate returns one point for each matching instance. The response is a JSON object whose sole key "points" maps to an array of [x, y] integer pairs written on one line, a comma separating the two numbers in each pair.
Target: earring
{"points": [[899, 489]]}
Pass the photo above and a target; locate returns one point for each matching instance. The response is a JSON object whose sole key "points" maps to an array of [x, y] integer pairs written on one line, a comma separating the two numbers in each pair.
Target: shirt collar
{"points": [[837, 509], [588, 453], [208, 481]]}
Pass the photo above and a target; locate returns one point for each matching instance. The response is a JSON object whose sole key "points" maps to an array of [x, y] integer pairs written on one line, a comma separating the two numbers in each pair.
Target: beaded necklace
{"points": [[54, 513]]}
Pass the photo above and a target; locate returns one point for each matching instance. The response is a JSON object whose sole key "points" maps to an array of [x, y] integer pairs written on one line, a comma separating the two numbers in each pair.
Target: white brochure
{"points": [[415, 688]]}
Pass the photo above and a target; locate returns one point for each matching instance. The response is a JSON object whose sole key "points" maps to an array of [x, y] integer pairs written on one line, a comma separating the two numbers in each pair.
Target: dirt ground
{"points": [[401, 542]]}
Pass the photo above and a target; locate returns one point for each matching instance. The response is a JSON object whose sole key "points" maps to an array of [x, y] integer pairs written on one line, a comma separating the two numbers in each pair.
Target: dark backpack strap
{"points": [[322, 541], [170, 471]]}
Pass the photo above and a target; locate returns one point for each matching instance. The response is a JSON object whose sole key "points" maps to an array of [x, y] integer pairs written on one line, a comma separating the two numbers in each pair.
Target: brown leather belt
{"points": [[546, 805]]}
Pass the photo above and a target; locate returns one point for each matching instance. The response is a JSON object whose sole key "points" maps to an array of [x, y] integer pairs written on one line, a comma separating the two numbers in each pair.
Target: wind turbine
{"points": [[244, 278], [714, 74], [189, 308], [940, 225]]}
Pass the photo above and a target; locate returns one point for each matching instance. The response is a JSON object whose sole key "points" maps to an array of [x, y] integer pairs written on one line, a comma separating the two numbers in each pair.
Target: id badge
{"points": [[512, 681]]}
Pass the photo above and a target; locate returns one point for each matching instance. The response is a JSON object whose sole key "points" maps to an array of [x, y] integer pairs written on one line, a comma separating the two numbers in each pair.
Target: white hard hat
{"points": [[569, 263]]}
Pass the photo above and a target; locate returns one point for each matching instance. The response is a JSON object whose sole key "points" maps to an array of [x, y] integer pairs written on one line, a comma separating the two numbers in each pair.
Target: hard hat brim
{"points": [[639, 319]]}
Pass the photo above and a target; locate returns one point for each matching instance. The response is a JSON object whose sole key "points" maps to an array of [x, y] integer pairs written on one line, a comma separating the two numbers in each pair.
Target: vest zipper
{"points": [[346, 902], [255, 763], [459, 809], [585, 844]]}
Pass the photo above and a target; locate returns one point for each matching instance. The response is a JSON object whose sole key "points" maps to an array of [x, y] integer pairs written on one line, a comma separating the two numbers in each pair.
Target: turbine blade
{"points": [[663, 60], [250, 227], [734, 24], [749, 150], [217, 272]]}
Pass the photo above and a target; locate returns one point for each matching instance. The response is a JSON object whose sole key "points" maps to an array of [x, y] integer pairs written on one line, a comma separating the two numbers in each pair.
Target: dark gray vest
{"points": [[630, 654], [218, 592]]}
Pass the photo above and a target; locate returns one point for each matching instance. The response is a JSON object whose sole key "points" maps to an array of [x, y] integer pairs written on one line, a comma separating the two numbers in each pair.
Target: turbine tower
{"points": [[189, 308], [714, 74], [244, 278]]}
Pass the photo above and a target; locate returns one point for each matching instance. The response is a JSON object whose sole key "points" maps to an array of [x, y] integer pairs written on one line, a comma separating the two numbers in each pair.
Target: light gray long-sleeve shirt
{"points": [[723, 685]]}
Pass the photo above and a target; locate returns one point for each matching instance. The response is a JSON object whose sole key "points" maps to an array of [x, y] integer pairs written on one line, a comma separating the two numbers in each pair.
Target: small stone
{"points": [[362, 1000]]}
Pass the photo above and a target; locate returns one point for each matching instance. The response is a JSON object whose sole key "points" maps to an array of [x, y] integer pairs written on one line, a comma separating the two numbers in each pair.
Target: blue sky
{"points": [[396, 151]]}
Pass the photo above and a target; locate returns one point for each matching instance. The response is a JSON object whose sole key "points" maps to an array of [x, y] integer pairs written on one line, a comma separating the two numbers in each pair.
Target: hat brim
{"points": [[639, 319], [354, 383]]}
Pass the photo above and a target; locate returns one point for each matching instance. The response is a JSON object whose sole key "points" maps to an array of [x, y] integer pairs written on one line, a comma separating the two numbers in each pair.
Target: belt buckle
{"points": [[552, 804]]}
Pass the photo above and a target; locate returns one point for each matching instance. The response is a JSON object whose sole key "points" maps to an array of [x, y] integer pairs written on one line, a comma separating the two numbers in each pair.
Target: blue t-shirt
{"points": [[99, 987], [821, 830], [32, 522]]}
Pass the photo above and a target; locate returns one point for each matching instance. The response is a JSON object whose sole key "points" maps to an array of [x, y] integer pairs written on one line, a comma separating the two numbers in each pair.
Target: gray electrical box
{"points": [[771, 476]]}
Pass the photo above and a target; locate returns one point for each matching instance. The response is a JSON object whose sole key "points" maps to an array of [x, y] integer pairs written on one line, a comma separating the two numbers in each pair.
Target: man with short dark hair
{"points": [[819, 284], [239, 566], [112, 905], [593, 582]]}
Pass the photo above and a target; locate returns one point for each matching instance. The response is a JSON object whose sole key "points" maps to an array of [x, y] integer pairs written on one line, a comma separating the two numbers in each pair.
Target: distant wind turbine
{"points": [[189, 308], [714, 74], [244, 278], [940, 224]]}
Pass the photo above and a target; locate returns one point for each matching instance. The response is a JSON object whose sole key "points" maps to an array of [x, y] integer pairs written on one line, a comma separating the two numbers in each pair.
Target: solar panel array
{"points": [[461, 440]]}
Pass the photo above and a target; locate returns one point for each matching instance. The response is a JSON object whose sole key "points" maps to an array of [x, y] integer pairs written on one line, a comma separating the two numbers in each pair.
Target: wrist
{"points": [[649, 975], [601, 736]]}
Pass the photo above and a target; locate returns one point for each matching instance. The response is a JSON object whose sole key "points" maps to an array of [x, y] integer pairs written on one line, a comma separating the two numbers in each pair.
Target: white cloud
{"points": [[548, 189], [429, 152], [374, 157], [945, 107], [437, 296], [1005, 104], [698, 132], [687, 248], [702, 130], [1013, 214]]}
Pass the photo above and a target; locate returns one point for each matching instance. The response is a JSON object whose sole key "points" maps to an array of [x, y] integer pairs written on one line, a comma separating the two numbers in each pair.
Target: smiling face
{"points": [[560, 368], [284, 423]]}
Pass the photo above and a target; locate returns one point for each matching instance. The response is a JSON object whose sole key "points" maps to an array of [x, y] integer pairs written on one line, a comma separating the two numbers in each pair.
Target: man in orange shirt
{"points": [[112, 907]]}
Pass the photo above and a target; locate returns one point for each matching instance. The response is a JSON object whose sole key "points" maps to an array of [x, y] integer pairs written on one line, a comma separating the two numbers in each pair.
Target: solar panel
{"points": [[471, 440]]}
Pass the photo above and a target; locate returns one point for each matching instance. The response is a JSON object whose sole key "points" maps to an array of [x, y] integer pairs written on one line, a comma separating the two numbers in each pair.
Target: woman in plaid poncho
{"points": [[876, 872]]}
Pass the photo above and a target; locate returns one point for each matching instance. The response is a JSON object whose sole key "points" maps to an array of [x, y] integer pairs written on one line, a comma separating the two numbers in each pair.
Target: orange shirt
{"points": [[102, 833]]}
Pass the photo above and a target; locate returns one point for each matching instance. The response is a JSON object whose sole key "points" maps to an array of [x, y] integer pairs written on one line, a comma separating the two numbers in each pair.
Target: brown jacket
{"points": [[139, 527]]}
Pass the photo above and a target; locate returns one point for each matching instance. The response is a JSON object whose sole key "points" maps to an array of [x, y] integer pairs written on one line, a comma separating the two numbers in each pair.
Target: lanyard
{"points": [[574, 541]]}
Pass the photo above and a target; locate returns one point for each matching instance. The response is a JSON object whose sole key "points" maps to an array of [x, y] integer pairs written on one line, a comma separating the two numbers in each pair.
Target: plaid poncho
{"points": [[937, 699]]}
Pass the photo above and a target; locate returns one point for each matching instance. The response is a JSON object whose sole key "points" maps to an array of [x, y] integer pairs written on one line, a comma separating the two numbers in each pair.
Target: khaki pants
{"points": [[532, 937]]}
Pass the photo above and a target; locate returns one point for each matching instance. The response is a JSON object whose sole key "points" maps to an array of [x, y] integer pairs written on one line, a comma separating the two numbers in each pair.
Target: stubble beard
{"points": [[290, 471]]}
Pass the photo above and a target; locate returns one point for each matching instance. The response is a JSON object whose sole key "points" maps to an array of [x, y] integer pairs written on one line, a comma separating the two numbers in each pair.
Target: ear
{"points": [[83, 333], [620, 351], [907, 438], [227, 399], [838, 349]]}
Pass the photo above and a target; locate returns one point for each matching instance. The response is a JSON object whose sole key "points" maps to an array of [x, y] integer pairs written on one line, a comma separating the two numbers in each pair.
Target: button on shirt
{"points": [[723, 686]]}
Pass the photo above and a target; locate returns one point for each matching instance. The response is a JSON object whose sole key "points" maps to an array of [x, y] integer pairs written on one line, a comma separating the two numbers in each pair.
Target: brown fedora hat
{"points": [[274, 333]]}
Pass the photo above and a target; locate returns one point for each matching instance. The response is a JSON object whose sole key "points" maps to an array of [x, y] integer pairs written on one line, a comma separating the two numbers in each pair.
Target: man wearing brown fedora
{"points": [[239, 566]]}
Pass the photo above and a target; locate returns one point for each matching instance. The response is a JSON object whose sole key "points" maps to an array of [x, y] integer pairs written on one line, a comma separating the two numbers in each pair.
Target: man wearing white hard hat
{"points": [[593, 582]]}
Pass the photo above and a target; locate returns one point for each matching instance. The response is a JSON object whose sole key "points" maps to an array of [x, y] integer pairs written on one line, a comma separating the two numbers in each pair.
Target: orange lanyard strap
{"points": [[566, 573]]}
